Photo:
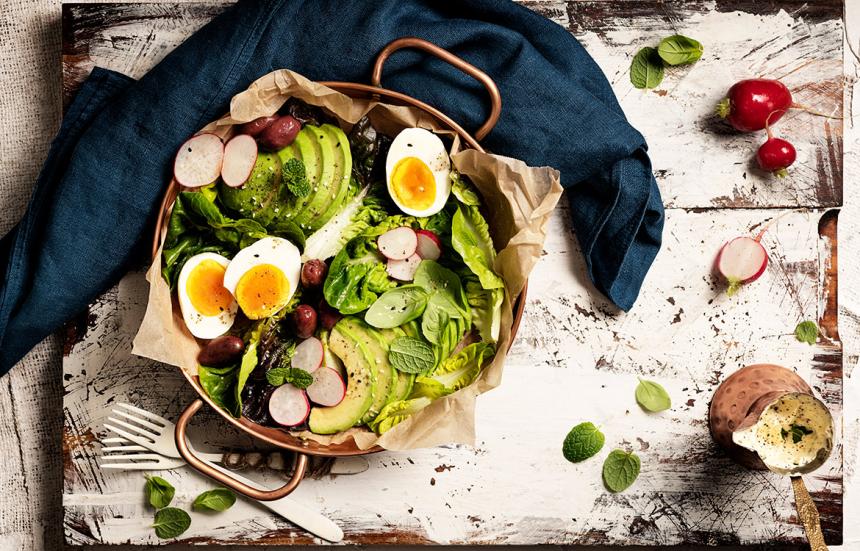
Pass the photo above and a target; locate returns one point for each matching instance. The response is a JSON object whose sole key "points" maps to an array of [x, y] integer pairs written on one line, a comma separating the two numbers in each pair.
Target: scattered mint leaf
{"points": [[652, 396], [646, 71], [171, 522], [806, 331], [679, 50], [797, 432], [583, 441], [159, 492], [411, 355], [620, 470], [296, 178], [219, 499], [299, 378]]}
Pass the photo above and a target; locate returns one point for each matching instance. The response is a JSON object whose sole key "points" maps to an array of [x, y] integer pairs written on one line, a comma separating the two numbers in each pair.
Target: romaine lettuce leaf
{"points": [[486, 305], [464, 190], [397, 412], [470, 237], [356, 277], [454, 373]]}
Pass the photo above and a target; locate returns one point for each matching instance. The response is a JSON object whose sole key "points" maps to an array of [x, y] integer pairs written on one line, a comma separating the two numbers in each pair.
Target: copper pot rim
{"points": [[282, 438]]}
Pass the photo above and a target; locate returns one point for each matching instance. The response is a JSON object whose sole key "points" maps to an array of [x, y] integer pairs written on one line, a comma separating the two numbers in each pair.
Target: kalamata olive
{"points": [[328, 316], [256, 126], [313, 273], [280, 133], [304, 321], [221, 351]]}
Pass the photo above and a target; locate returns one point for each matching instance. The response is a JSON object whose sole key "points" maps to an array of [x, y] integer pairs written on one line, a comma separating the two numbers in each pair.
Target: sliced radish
{"points": [[198, 161], [398, 244], [308, 355], [289, 406], [742, 260], [404, 270], [328, 388], [429, 245], [240, 156]]}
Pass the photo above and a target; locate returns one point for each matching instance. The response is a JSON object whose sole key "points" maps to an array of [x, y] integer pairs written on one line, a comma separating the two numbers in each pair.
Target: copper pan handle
{"points": [[445, 55], [225, 479]]}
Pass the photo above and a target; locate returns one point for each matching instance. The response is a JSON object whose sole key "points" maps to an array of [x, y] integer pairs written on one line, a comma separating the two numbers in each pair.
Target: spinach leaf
{"points": [[470, 236], [397, 306], [218, 383], [411, 355], [299, 378], [171, 522], [219, 499], [680, 50], [290, 231], [646, 70], [652, 396], [159, 492]]}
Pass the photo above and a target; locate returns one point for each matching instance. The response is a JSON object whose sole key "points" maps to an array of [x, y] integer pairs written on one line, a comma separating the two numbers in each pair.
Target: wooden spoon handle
{"points": [[808, 514]]}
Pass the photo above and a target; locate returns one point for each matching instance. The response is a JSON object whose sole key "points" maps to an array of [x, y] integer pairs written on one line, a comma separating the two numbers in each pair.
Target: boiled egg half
{"points": [[417, 172], [208, 308], [264, 276]]}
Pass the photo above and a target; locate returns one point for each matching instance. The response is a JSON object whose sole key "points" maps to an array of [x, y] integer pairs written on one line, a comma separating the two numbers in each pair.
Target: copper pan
{"points": [[279, 437]]}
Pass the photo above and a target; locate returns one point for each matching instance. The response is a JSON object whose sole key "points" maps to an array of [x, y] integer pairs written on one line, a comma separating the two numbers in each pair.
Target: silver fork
{"points": [[155, 433]]}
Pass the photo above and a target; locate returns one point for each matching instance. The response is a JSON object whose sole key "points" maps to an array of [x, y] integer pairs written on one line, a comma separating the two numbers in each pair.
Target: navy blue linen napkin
{"points": [[99, 190]]}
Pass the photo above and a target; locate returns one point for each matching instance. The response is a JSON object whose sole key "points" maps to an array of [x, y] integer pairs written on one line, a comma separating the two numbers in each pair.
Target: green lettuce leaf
{"points": [[454, 373], [471, 239], [218, 383], [464, 190], [249, 359], [397, 412], [362, 212], [356, 277], [486, 305]]}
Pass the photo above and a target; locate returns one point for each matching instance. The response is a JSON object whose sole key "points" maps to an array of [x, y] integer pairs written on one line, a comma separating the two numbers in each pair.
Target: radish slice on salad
{"points": [[429, 245], [289, 405], [198, 161], [240, 155], [308, 355], [404, 270], [398, 244], [742, 260], [328, 388]]}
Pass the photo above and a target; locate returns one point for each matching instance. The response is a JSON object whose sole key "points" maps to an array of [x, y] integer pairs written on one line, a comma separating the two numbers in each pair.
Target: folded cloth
{"points": [[100, 188]]}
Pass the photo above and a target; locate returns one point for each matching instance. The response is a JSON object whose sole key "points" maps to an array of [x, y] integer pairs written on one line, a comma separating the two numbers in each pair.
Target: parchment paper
{"points": [[519, 201]]}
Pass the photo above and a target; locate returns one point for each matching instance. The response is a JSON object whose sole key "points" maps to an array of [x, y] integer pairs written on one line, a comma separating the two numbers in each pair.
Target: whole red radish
{"points": [[754, 103], [776, 155], [742, 260]]}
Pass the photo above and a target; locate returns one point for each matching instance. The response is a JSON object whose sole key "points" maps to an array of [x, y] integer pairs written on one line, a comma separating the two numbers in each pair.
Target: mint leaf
{"points": [[219, 499], [171, 522], [646, 70], [620, 470], [159, 492], [797, 432], [583, 441], [652, 396], [296, 178], [411, 355], [299, 378], [806, 331], [679, 50]]}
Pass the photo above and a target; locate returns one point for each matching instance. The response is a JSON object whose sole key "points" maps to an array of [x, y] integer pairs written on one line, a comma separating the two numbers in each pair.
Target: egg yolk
{"points": [[205, 288], [262, 291], [413, 183]]}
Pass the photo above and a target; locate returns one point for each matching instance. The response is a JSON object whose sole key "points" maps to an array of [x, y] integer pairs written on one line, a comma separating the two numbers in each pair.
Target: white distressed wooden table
{"points": [[576, 358]]}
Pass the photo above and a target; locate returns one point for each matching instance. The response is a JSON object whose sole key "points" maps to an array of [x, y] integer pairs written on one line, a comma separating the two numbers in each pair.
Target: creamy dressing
{"points": [[791, 433]]}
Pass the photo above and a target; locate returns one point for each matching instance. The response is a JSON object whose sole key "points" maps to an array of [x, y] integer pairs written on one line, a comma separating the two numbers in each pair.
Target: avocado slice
{"points": [[308, 215], [342, 174], [403, 386], [376, 347], [360, 384], [254, 199]]}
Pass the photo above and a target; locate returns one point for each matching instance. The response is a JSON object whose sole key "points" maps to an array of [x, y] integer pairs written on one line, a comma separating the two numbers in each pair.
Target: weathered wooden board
{"points": [[576, 357]]}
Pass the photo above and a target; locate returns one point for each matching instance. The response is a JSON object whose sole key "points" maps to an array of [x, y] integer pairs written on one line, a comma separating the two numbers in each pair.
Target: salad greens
{"points": [[397, 306], [411, 355], [471, 238]]}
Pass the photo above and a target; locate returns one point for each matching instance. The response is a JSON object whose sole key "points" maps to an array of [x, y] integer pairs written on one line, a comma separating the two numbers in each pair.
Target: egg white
{"points": [[270, 250], [426, 146], [202, 326]]}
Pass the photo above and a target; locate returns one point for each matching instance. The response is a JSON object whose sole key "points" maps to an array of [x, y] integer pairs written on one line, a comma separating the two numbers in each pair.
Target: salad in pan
{"points": [[334, 277]]}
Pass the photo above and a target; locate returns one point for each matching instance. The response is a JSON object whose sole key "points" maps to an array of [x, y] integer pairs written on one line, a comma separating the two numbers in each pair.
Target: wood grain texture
{"points": [[577, 358]]}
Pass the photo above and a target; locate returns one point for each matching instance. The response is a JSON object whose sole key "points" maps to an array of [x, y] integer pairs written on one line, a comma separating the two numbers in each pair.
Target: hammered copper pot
{"points": [[283, 438]]}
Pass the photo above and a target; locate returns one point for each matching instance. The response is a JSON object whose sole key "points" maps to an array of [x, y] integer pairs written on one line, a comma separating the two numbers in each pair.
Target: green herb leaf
{"points": [[299, 378], [398, 306], [652, 396], [159, 492], [218, 383], [583, 441], [679, 50], [295, 177], [620, 470], [411, 355], [219, 499], [806, 331], [797, 432], [646, 70], [171, 522]]}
